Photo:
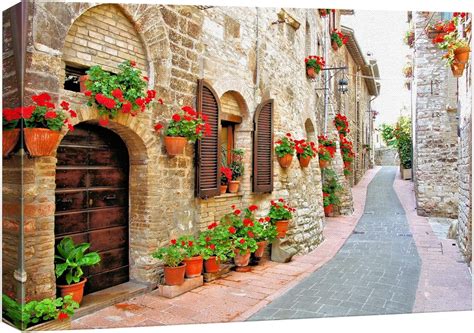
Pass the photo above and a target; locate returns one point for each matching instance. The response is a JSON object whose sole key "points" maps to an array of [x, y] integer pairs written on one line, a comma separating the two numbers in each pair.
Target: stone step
{"points": [[173, 291]]}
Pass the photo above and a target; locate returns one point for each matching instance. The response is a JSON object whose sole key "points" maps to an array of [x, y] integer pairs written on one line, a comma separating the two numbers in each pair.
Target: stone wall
{"points": [[386, 156], [435, 137], [464, 226], [237, 50]]}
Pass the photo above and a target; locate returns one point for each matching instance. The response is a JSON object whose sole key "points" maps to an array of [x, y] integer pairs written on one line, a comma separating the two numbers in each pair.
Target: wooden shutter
{"points": [[263, 148], [208, 157]]}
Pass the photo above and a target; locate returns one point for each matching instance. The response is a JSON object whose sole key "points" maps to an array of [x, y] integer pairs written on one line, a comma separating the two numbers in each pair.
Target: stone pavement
{"points": [[237, 296], [375, 272]]}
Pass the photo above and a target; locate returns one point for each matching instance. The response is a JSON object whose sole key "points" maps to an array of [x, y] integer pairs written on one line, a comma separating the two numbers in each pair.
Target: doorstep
{"points": [[106, 297]]}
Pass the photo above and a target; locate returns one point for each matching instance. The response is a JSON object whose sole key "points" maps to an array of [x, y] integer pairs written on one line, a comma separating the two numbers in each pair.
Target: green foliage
{"points": [[387, 135], [331, 188], [240, 226], [280, 211], [189, 245], [216, 241], [285, 146], [188, 124], [35, 312], [70, 259], [402, 133], [171, 255], [237, 165]]}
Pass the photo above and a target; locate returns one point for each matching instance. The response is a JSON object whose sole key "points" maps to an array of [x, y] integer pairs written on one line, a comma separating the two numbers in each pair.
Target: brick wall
{"points": [[243, 53], [435, 139]]}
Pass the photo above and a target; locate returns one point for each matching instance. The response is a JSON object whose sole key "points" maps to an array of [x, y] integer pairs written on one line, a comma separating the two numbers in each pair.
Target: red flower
{"points": [[27, 112], [248, 222], [126, 107], [288, 134], [70, 127], [253, 208], [50, 115], [140, 101], [183, 243], [133, 63], [104, 121], [207, 129], [160, 100], [151, 94], [62, 316], [250, 234], [117, 93], [241, 241], [73, 113], [237, 212], [189, 110], [208, 239], [146, 78], [232, 230], [109, 103], [12, 114], [212, 225], [65, 105], [41, 99], [212, 247], [157, 127], [173, 242], [281, 200], [198, 129], [267, 218], [176, 117], [87, 93], [190, 243]]}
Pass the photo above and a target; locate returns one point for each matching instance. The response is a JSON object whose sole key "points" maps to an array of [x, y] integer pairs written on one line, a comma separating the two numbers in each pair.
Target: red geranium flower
{"points": [[237, 212], [208, 239], [140, 101], [253, 208], [212, 247], [87, 93], [176, 117], [104, 121], [267, 218], [160, 100], [241, 241], [158, 126], [232, 230], [117, 93], [50, 115], [133, 63], [173, 242], [64, 105], [62, 316], [126, 107], [183, 243], [250, 234], [190, 243], [73, 113], [146, 78]]}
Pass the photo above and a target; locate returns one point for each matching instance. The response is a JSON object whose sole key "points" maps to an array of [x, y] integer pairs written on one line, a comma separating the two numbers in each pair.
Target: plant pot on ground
{"points": [[261, 248], [172, 257], [215, 246], [329, 210], [280, 215], [192, 255], [69, 261], [284, 149], [241, 258], [212, 264]]}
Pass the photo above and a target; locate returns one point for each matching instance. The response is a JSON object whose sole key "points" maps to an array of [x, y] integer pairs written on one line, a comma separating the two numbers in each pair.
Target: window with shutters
{"points": [[208, 157], [263, 148], [231, 117]]}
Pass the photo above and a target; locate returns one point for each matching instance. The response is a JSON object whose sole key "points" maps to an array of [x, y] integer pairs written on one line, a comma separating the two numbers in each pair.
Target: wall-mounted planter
{"points": [[311, 72], [41, 141], [285, 161], [323, 164], [457, 69], [175, 145], [461, 55], [334, 45], [304, 161], [10, 139]]}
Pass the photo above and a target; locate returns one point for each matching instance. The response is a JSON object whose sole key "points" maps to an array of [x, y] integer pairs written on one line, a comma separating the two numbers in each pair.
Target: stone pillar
{"points": [[435, 137]]}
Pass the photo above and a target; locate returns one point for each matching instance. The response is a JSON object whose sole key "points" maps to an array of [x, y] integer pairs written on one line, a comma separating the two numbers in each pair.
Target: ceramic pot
{"points": [[174, 276], [282, 228], [10, 139], [76, 290], [175, 145], [285, 161], [41, 141], [193, 266]]}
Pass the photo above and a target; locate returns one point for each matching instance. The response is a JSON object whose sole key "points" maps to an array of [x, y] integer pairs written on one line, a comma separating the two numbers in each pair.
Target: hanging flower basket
{"points": [[41, 141], [304, 161], [284, 149], [285, 161], [175, 145], [334, 46], [461, 54], [311, 72], [10, 139], [314, 64]]}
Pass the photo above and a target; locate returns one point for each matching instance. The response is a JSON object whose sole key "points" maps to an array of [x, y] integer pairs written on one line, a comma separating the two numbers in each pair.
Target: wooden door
{"points": [[92, 200]]}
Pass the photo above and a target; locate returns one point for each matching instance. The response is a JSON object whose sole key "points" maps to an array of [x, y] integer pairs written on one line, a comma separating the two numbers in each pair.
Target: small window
{"points": [[227, 142], [71, 80]]}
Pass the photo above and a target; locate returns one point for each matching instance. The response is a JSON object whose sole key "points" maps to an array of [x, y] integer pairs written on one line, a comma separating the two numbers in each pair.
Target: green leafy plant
{"points": [[70, 259], [216, 241], [264, 230], [44, 114], [171, 255], [305, 148], [123, 92], [190, 246], [285, 145], [237, 164], [387, 135], [35, 312], [240, 226], [188, 124], [331, 188], [327, 148], [342, 124], [402, 133], [280, 210]]}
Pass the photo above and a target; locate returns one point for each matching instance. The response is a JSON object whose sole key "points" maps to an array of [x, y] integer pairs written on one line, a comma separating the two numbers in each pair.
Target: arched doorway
{"points": [[92, 200]]}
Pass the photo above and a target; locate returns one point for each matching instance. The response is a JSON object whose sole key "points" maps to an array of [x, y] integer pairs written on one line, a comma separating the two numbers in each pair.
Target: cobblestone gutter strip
{"points": [[237, 296], [445, 281]]}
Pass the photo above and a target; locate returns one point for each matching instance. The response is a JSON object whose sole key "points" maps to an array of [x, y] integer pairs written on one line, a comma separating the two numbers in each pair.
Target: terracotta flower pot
{"points": [[193, 266], [311, 72], [212, 265], [175, 145], [261, 248], [76, 290], [334, 45], [234, 186], [304, 161], [223, 189], [461, 54], [282, 228], [41, 141], [285, 161], [240, 259], [328, 210], [174, 276], [323, 164], [82, 82], [457, 69], [10, 139]]}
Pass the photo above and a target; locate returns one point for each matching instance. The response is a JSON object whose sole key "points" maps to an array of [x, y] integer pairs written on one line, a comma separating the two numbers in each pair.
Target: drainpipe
{"points": [[326, 78]]}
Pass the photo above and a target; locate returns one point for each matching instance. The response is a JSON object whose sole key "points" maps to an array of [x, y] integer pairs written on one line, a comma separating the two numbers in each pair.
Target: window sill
{"points": [[229, 195]]}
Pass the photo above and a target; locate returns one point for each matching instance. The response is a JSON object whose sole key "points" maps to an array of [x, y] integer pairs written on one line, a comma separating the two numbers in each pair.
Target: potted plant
{"points": [[326, 151], [402, 134], [314, 64], [237, 167], [347, 155], [337, 39], [11, 132], [47, 314], [342, 125], [69, 260], [43, 123], [215, 245], [265, 232], [172, 257], [186, 125], [192, 256], [305, 151], [226, 176], [121, 93], [331, 188], [284, 149], [409, 38], [280, 215]]}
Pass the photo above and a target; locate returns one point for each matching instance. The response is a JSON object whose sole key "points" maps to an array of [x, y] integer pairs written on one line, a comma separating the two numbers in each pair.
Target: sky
{"points": [[381, 33]]}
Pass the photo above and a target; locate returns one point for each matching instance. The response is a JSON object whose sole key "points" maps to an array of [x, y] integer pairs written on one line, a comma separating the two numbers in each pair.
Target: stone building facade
{"points": [[247, 56], [435, 151]]}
